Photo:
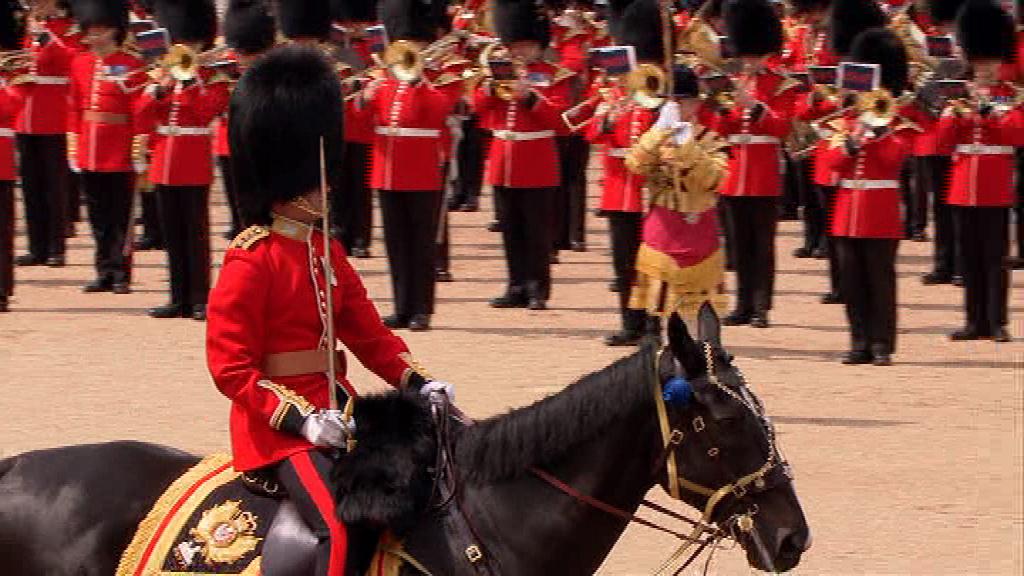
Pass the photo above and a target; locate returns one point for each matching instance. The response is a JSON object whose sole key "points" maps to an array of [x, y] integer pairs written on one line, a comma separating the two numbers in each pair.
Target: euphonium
{"points": [[403, 58], [647, 80], [181, 62]]}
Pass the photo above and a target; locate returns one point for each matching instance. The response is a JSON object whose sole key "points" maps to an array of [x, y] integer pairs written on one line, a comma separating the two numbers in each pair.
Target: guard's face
{"points": [[688, 107], [525, 50], [100, 37], [986, 71]]}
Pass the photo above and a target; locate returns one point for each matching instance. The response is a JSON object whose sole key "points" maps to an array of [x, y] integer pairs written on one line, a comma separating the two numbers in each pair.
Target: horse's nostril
{"points": [[796, 543]]}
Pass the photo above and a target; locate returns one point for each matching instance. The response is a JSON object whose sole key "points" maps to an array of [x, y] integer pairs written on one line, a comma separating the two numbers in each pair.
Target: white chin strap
{"points": [[646, 101], [404, 74]]}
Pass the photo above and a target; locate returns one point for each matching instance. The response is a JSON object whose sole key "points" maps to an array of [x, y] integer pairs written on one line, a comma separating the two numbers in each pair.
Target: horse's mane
{"points": [[504, 446]]}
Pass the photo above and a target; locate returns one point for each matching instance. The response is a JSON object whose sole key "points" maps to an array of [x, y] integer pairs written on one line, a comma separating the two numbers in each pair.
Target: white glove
{"points": [[436, 386], [669, 116], [328, 428]]}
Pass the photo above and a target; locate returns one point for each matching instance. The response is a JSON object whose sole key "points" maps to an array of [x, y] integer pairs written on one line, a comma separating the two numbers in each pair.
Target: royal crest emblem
{"points": [[225, 533]]}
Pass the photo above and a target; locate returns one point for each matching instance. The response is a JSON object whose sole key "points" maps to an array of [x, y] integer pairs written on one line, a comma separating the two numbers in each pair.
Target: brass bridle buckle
{"points": [[676, 438]]}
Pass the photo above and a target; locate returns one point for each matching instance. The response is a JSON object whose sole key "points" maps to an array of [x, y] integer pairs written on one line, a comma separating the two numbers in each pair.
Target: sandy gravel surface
{"points": [[915, 468]]}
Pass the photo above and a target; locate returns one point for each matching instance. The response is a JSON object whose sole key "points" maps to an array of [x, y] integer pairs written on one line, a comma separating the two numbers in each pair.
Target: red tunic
{"points": [[182, 138], [618, 131], [984, 160], [45, 88], [101, 111], [572, 45], [265, 302], [409, 126], [523, 153], [868, 200], [10, 104]]}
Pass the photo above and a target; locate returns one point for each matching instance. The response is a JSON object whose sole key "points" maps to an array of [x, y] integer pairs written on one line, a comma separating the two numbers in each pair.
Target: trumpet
{"points": [[11, 60], [581, 114], [505, 87]]}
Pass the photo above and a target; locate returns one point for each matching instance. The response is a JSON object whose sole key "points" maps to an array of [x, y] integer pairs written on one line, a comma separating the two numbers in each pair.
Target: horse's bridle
{"points": [[771, 473]]}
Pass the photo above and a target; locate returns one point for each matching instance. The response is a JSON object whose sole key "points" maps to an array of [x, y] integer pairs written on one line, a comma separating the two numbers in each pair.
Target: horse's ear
{"points": [[684, 347], [709, 328]]}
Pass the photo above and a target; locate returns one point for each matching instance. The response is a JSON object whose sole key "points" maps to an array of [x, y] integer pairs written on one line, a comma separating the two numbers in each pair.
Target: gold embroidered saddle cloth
{"points": [[208, 523]]}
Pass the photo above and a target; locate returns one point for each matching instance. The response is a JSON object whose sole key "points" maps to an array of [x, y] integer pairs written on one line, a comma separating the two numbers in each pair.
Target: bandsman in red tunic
{"points": [[53, 40], [755, 127], [619, 122], [524, 116], [984, 132], [867, 156], [266, 333], [181, 105], [11, 36], [102, 136], [410, 148]]}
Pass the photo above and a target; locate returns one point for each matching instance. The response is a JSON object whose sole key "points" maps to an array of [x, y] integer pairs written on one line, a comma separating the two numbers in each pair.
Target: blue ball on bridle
{"points": [[677, 391]]}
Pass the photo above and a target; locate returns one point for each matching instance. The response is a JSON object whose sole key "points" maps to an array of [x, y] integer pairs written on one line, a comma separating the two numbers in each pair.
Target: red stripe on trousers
{"points": [[321, 495]]}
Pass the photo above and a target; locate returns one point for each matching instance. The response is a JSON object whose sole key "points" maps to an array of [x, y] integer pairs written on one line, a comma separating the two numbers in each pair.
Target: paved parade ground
{"points": [[914, 468]]}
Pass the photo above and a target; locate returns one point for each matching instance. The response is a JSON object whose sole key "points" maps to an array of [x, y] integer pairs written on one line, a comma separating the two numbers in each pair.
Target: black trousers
{"points": [[751, 223], [185, 221], [74, 201], [109, 199], [442, 235], [6, 239], [570, 199], [814, 210], [526, 232], [230, 194], [352, 202], [151, 214], [1018, 208], [471, 161], [868, 273], [983, 233], [626, 229], [790, 200], [826, 198], [410, 234], [44, 182], [932, 178], [915, 219]]}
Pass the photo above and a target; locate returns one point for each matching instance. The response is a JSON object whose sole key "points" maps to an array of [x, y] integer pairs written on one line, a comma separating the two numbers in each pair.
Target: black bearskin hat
{"points": [[753, 27], [881, 46], [249, 27], [684, 82], [188, 20], [850, 18], [413, 19], [805, 6], [986, 31], [944, 11], [711, 9], [354, 10], [304, 18], [12, 25], [638, 23], [516, 20], [281, 108], [112, 13]]}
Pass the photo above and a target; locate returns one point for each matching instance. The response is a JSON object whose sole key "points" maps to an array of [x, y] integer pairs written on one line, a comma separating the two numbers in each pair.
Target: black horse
{"points": [[71, 511]]}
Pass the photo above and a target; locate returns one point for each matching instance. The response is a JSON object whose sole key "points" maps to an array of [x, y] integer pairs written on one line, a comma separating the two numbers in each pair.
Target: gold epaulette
{"points": [[131, 51], [786, 84], [446, 79], [561, 74], [218, 78], [249, 237]]}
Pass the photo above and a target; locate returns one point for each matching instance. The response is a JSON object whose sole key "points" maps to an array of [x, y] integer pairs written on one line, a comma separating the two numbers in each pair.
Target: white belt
{"points": [[410, 132], [752, 139], [6, 133], [983, 149], [182, 131], [618, 152], [52, 80], [869, 184], [520, 136]]}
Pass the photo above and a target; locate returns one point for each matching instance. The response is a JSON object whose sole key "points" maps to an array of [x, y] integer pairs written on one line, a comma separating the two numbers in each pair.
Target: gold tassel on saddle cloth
{"points": [[686, 288]]}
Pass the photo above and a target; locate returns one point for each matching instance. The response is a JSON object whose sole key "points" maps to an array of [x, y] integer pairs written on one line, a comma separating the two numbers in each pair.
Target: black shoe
{"points": [[934, 278], [536, 304], [229, 235], [1002, 335], [555, 259], [419, 323], [759, 320], [623, 338], [29, 260], [146, 243], [819, 254], [857, 357], [98, 285], [4, 306], [360, 252], [958, 280], [509, 301], [918, 237], [831, 298], [168, 311], [121, 288], [737, 318], [1017, 263], [454, 204], [471, 205], [396, 321], [789, 215], [802, 252], [579, 246], [494, 226], [199, 312], [613, 286], [444, 276], [69, 230], [965, 334], [882, 359], [56, 261]]}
